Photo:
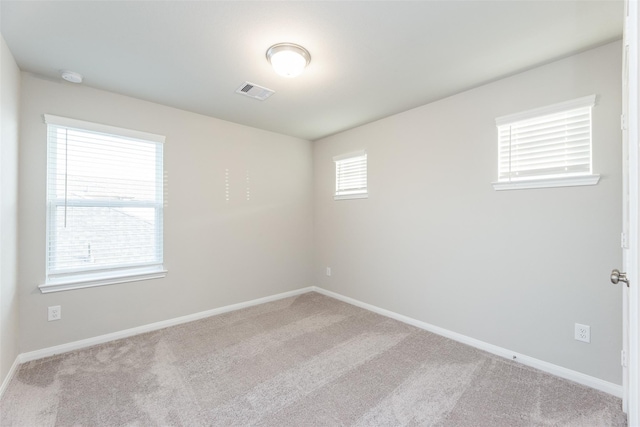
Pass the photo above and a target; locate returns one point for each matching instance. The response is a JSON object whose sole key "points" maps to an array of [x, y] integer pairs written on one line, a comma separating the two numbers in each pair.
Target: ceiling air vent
{"points": [[254, 91]]}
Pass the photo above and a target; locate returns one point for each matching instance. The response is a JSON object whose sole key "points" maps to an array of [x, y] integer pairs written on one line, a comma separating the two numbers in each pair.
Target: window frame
{"points": [[549, 180], [76, 278], [353, 193]]}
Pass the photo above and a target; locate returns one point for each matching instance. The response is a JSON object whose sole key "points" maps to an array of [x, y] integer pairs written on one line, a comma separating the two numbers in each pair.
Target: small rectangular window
{"points": [[546, 147], [104, 205], [351, 176]]}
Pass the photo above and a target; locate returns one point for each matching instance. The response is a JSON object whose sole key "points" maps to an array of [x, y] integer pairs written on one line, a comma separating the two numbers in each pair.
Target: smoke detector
{"points": [[71, 76], [254, 91]]}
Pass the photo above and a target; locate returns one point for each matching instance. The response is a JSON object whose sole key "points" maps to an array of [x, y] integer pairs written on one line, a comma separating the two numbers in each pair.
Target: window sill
{"points": [[351, 196], [571, 181], [102, 279]]}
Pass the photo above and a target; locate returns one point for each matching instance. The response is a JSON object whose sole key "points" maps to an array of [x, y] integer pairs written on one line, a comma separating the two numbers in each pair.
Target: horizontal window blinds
{"points": [[351, 175], [104, 200], [550, 145]]}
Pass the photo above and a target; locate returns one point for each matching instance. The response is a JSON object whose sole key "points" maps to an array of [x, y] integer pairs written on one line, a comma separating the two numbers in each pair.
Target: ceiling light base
{"points": [[288, 59]]}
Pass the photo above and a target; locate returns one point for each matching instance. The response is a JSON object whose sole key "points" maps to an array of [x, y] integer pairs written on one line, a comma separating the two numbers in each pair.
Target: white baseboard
{"points": [[9, 376], [559, 371], [578, 377], [75, 345]]}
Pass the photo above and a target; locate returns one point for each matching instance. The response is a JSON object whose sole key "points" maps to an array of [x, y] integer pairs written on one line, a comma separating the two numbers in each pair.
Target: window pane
{"points": [[102, 237], [351, 175], [90, 165], [104, 198], [552, 145]]}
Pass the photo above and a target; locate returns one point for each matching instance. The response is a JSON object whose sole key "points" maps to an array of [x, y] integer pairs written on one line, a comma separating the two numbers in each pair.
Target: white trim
{"points": [[97, 127], [9, 377], [586, 101], [90, 281], [101, 339], [568, 181], [559, 371], [631, 161], [351, 196], [349, 155]]}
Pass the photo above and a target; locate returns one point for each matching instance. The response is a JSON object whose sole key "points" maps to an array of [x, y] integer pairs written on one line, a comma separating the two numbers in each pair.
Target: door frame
{"points": [[631, 200]]}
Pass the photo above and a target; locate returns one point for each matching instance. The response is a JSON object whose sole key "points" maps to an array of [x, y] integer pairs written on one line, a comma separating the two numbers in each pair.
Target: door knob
{"points": [[616, 277]]}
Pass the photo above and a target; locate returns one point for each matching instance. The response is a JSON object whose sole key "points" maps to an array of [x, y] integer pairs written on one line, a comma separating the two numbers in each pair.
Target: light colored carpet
{"points": [[303, 361]]}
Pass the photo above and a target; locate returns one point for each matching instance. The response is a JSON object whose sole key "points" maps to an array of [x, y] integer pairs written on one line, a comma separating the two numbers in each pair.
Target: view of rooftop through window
{"points": [[105, 201]]}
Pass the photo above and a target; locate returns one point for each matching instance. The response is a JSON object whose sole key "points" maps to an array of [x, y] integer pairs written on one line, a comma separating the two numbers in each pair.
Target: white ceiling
{"points": [[369, 59]]}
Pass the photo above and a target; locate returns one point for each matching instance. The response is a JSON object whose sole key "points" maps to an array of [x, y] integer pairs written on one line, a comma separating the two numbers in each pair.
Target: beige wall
{"points": [[9, 108], [435, 242], [217, 252]]}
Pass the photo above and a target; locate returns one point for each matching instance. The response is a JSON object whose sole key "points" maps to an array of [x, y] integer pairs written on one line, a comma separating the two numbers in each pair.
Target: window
{"points": [[104, 205], [546, 147], [351, 176]]}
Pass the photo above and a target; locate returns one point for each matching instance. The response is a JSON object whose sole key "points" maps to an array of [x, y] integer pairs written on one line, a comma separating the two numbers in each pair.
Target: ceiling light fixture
{"points": [[71, 76], [288, 59]]}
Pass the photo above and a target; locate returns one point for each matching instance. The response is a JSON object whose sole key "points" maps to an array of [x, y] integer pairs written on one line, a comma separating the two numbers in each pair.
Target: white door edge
{"points": [[631, 197]]}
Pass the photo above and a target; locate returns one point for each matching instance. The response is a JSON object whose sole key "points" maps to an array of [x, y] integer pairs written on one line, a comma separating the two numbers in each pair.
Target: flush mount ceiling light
{"points": [[71, 76], [288, 59]]}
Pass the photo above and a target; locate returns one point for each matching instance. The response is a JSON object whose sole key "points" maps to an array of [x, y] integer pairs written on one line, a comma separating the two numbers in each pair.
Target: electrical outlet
{"points": [[328, 271], [55, 313], [583, 333]]}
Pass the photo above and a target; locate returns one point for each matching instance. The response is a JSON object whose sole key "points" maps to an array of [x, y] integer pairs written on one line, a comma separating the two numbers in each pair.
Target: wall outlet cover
{"points": [[54, 313], [582, 333]]}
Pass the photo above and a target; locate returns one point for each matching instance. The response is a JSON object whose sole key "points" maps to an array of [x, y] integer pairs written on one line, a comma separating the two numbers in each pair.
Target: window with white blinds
{"points": [[546, 147], [351, 176], [104, 205]]}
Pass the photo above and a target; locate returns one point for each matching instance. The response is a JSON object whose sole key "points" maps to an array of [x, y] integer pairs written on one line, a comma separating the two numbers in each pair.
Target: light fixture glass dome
{"points": [[288, 59]]}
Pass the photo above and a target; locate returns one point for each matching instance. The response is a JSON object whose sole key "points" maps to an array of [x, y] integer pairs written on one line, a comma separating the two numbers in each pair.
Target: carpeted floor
{"points": [[303, 361]]}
